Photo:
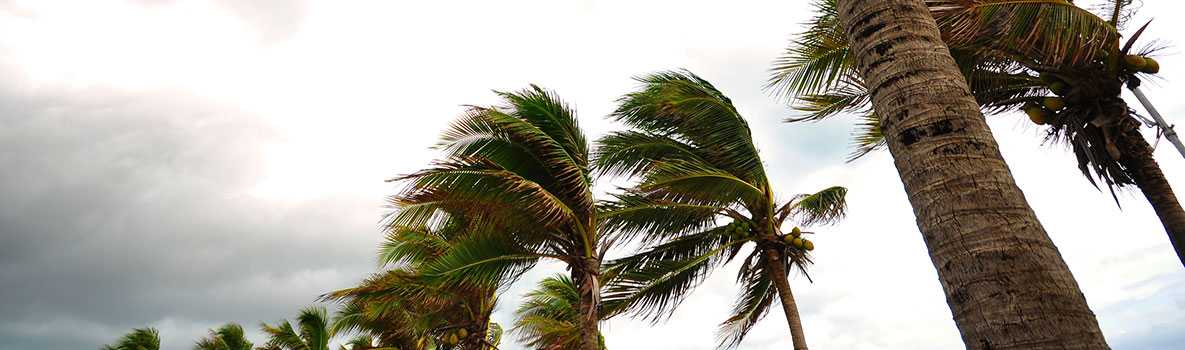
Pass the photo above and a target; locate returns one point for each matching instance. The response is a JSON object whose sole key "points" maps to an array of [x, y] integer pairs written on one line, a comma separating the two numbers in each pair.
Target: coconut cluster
{"points": [[454, 337], [738, 229], [794, 238]]}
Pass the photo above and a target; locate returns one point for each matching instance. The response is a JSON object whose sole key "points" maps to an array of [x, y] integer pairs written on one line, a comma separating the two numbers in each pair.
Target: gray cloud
{"points": [[123, 210]]}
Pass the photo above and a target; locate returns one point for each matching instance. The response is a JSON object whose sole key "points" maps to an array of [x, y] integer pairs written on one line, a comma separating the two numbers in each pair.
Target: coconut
{"points": [[788, 239], [808, 245], [1060, 88], [1151, 66], [1135, 62], [1036, 113], [797, 242], [795, 231], [452, 339], [1053, 103], [461, 332]]}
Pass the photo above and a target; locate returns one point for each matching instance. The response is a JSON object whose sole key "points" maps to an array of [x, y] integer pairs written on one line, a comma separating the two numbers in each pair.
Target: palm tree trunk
{"points": [[778, 274], [585, 278], [1137, 160], [1005, 282]]}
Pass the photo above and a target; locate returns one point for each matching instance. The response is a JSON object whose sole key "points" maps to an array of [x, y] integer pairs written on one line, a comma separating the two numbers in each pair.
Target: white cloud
{"points": [[346, 95]]}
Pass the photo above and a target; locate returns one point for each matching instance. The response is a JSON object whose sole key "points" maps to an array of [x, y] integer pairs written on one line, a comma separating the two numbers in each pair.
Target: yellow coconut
{"points": [[796, 231], [452, 339], [1036, 113], [797, 242], [461, 332], [808, 245]]}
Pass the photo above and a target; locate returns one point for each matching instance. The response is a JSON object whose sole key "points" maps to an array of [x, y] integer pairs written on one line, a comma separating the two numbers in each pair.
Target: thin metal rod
{"points": [[1169, 133]]}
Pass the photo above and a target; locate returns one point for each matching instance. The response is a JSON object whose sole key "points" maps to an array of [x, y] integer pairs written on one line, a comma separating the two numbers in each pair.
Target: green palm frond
{"points": [[312, 332], [632, 153], [1051, 32], [483, 261], [683, 106], [847, 96], [867, 137], [548, 317], [138, 339], [494, 333], [756, 296], [820, 208], [816, 59], [631, 214], [653, 283], [692, 182], [228, 337]]}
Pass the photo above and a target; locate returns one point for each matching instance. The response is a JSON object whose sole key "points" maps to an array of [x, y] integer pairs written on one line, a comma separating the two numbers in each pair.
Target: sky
{"points": [[182, 164]]}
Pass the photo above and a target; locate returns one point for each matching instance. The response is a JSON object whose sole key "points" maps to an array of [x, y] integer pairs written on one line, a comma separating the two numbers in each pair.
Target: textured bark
{"points": [[1005, 282], [778, 273], [1137, 160], [585, 279]]}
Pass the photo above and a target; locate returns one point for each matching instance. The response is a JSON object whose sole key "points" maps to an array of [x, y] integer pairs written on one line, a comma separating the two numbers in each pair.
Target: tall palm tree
{"points": [[228, 337], [520, 173], [404, 309], [548, 319], [703, 194], [1005, 281], [312, 333], [138, 339], [1016, 55]]}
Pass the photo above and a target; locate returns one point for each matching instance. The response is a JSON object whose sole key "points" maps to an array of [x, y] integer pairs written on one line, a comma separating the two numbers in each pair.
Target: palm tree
{"points": [[138, 339], [1005, 281], [703, 194], [1020, 59], [548, 319], [519, 172], [313, 333], [401, 308], [228, 337]]}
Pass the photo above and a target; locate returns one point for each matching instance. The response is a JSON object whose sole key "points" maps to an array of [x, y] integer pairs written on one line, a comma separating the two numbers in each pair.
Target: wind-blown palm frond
{"points": [[701, 196], [756, 296], [312, 331], [1050, 32], [228, 337], [816, 59], [138, 339], [548, 317], [681, 105], [519, 175]]}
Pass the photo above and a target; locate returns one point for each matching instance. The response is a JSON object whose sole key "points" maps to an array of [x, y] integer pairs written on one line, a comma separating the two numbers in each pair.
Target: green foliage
{"points": [[1010, 52], [138, 339], [549, 318], [228, 337], [311, 333], [702, 195]]}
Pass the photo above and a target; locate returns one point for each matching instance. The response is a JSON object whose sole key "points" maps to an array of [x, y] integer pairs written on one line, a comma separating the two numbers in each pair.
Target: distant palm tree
{"points": [[1021, 59], [548, 319], [313, 333], [698, 168], [139, 339], [402, 308], [227, 337], [520, 173]]}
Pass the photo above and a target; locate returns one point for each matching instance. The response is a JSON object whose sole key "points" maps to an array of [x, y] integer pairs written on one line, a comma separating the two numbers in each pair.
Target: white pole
{"points": [[1168, 129]]}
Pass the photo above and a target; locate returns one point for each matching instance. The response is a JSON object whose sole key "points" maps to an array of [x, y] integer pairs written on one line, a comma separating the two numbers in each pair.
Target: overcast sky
{"points": [[182, 164]]}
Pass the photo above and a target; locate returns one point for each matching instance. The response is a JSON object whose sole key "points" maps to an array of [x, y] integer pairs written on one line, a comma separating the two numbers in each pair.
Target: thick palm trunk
{"points": [[1138, 161], [588, 285], [778, 273], [1005, 282]]}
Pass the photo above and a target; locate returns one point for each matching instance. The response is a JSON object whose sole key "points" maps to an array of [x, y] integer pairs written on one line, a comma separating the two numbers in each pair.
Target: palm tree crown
{"points": [[138, 339], [227, 337], [312, 331], [520, 174], [702, 195]]}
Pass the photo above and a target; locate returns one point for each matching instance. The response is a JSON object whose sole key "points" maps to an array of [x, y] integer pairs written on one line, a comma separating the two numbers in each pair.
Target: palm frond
{"points": [[632, 153], [228, 337], [482, 261], [138, 339], [631, 214], [816, 58], [548, 317], [683, 106], [753, 302], [1052, 32], [820, 208]]}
